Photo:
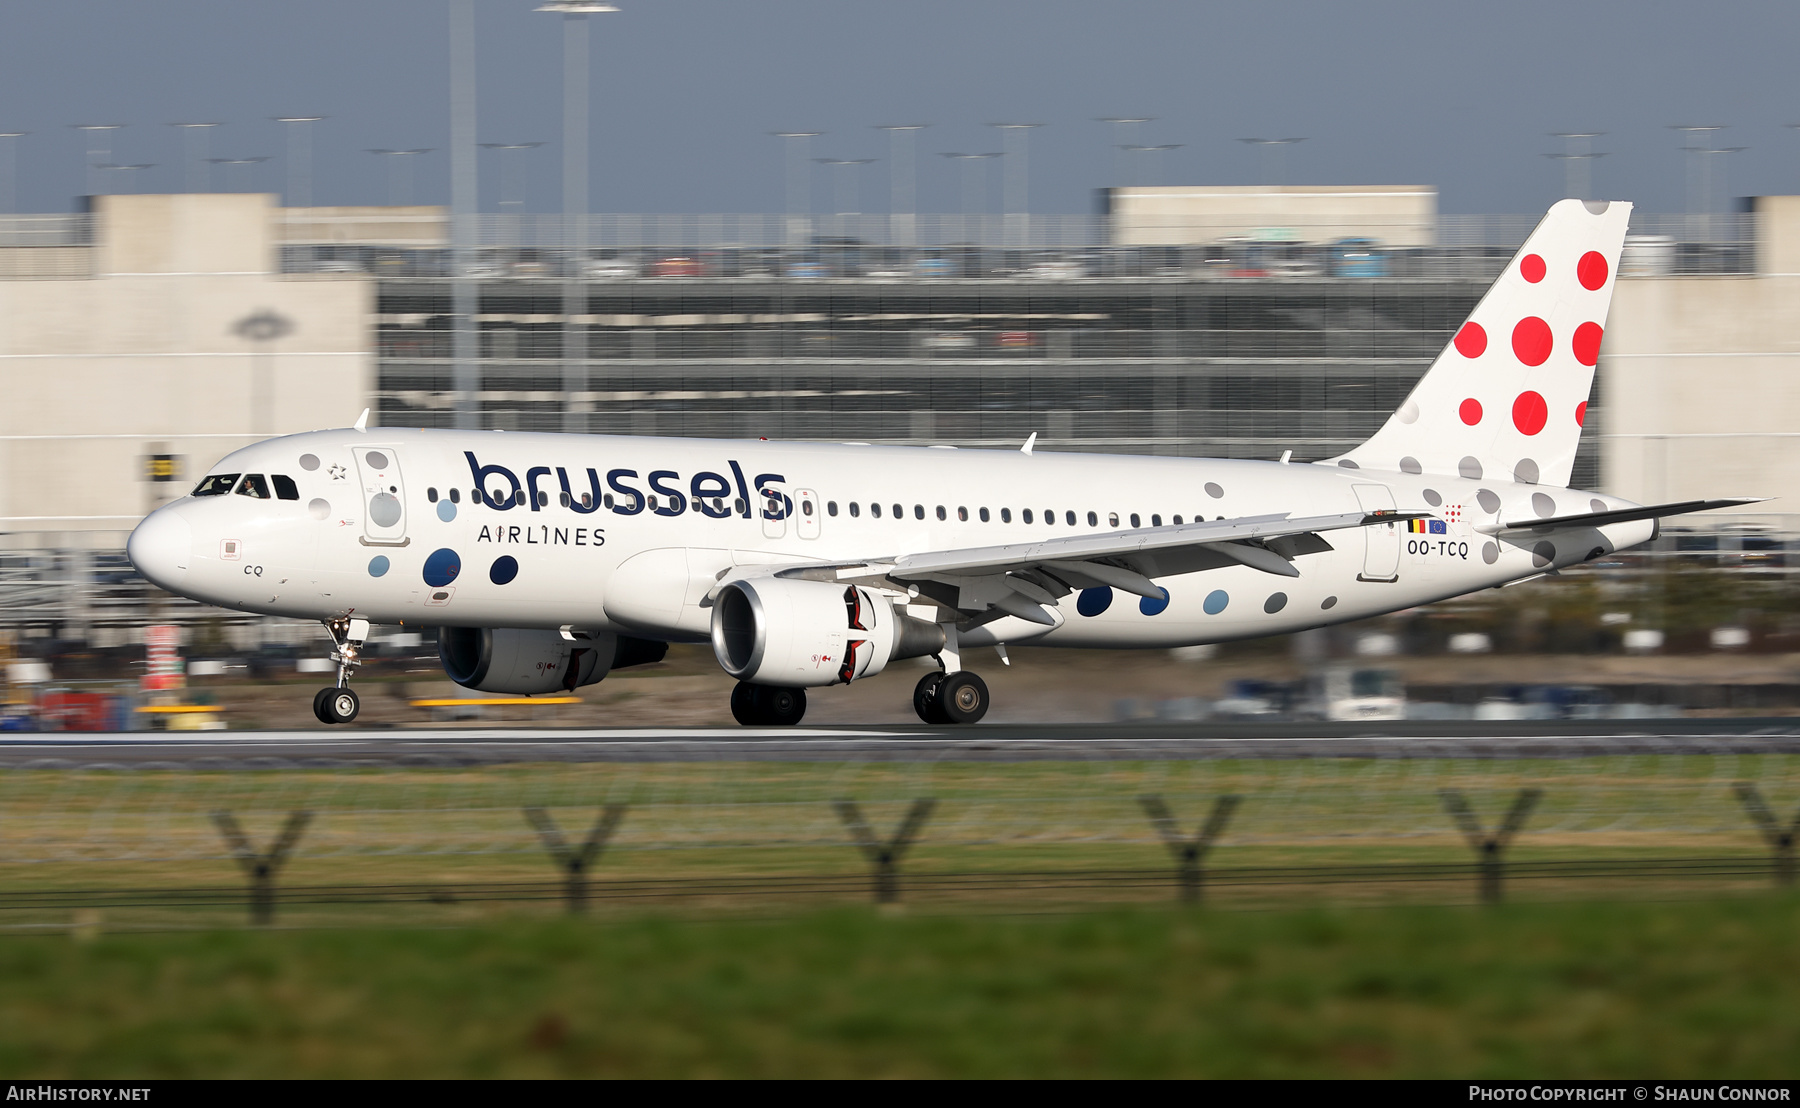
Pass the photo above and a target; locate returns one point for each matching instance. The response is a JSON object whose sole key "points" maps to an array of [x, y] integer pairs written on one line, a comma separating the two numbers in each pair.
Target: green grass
{"points": [[1582, 990]]}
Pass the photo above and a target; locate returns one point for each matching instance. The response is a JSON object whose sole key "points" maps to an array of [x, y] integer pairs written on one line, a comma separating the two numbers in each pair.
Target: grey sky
{"points": [[1453, 94]]}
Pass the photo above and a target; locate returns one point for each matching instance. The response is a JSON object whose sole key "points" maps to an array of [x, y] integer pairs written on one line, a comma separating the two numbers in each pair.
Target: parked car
{"points": [[1355, 257]]}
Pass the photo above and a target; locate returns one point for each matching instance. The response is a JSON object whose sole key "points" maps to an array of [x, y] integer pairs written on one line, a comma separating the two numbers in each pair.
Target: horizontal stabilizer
{"points": [[1619, 515]]}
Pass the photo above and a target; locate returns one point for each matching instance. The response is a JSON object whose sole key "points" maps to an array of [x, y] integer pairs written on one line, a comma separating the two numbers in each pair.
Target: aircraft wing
{"points": [[1021, 578], [1617, 515]]}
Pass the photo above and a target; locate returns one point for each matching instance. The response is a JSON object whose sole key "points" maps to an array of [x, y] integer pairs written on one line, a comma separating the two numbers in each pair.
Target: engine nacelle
{"points": [[515, 660], [774, 631]]}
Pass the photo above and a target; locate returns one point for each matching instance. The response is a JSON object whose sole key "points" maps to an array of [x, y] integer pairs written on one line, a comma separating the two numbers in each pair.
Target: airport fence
{"points": [[185, 845]]}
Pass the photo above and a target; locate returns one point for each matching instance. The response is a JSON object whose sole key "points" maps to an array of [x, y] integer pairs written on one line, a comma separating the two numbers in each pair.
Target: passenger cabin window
{"points": [[831, 508], [1069, 518], [285, 487], [1093, 520], [1176, 521], [1006, 515], [918, 511], [984, 515], [254, 485], [1156, 521], [1050, 517], [899, 512], [1025, 515], [216, 485], [940, 512], [456, 496], [875, 510], [1134, 520], [431, 496], [962, 514], [1112, 519], [854, 510]]}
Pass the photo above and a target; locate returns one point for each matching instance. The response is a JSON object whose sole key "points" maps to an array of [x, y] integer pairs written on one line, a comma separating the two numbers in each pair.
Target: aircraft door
{"points": [[384, 496], [806, 513], [1381, 555]]}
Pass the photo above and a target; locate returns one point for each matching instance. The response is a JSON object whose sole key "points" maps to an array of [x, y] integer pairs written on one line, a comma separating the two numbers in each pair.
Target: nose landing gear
{"points": [[339, 703]]}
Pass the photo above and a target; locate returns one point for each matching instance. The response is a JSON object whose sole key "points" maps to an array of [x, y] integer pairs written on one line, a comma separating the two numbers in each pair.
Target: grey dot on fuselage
{"points": [[1432, 498], [1543, 505], [1214, 490], [1411, 465], [1490, 553], [1526, 472], [1469, 468], [1597, 505], [1543, 554], [1488, 499], [1348, 464]]}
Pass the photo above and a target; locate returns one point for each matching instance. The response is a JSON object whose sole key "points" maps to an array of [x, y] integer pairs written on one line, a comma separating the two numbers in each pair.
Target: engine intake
{"points": [[774, 631], [517, 660]]}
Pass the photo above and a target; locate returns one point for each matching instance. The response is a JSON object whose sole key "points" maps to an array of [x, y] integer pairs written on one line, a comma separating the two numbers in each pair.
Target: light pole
{"points": [[974, 186], [1153, 154], [400, 176], [902, 181], [799, 197], [299, 158], [99, 149], [465, 295], [847, 194], [9, 169], [238, 171], [127, 170], [512, 186], [1274, 157], [1018, 181], [195, 139], [1125, 128], [575, 203], [1696, 138]]}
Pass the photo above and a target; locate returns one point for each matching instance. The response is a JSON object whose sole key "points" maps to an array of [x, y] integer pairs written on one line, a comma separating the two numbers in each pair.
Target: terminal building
{"points": [[148, 336]]}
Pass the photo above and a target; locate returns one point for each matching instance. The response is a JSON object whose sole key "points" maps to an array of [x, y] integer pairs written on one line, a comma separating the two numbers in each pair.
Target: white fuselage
{"points": [[617, 564]]}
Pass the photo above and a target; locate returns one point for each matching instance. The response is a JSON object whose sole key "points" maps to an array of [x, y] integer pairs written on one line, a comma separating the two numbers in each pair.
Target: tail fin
{"points": [[1507, 397]]}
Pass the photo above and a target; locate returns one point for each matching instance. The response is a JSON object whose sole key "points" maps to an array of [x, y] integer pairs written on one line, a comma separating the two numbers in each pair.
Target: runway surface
{"points": [[321, 748]]}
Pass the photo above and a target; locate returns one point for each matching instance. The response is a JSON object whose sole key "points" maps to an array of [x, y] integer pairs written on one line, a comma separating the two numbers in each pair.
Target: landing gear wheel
{"points": [[925, 701], [743, 704], [341, 705], [319, 705], [779, 706], [962, 697]]}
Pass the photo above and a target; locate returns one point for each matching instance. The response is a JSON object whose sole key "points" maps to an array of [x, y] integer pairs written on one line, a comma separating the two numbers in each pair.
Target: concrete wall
{"points": [[1398, 215], [1700, 380], [184, 342]]}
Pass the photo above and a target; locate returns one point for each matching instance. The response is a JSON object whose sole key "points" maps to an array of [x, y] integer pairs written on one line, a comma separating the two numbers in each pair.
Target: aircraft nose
{"points": [[161, 548]]}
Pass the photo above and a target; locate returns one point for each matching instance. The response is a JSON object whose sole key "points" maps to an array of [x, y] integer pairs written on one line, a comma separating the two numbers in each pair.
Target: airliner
{"points": [[546, 561]]}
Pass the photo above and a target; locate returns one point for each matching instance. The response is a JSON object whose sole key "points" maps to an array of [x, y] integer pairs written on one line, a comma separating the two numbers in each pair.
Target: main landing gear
{"points": [[339, 704], [767, 705], [953, 695]]}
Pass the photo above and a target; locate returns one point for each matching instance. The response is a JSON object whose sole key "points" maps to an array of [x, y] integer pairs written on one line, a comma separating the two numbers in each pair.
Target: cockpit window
{"points": [[254, 485], [217, 484], [285, 487]]}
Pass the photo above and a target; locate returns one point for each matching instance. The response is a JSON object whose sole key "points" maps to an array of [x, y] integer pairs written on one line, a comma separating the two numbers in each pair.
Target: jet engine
{"points": [[516, 660], [775, 631]]}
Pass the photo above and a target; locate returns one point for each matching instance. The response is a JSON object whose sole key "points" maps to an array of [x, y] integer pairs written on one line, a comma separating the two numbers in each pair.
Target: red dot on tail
{"points": [[1531, 340], [1587, 343], [1591, 270], [1470, 411], [1530, 413], [1531, 267], [1471, 341], [1581, 414]]}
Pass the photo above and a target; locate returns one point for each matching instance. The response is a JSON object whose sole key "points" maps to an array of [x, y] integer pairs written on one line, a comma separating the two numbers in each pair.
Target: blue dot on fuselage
{"points": [[505, 568], [446, 510], [1154, 605], [1215, 602], [378, 565], [1092, 602], [442, 567]]}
